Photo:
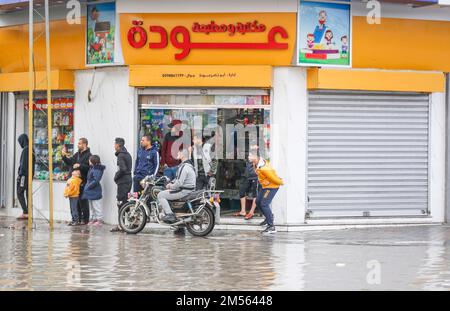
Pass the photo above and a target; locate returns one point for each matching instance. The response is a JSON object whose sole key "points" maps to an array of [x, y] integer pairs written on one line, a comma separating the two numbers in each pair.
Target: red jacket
{"points": [[166, 151]]}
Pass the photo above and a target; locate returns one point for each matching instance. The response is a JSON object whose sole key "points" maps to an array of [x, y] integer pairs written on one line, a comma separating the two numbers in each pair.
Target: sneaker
{"points": [[98, 223], [116, 229], [82, 223], [92, 222], [73, 223], [263, 223], [269, 230]]}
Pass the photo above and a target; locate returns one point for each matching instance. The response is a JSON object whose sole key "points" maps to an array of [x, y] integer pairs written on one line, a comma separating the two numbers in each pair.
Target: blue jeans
{"points": [[171, 172], [263, 201], [74, 209], [137, 183]]}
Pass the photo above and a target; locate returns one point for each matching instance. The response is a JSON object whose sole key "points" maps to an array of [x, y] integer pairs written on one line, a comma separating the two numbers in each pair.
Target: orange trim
{"points": [[375, 80], [401, 44], [18, 81]]}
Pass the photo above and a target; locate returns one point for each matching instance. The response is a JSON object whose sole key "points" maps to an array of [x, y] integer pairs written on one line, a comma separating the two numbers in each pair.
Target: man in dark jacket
{"points": [[123, 175], [80, 161], [147, 162], [170, 148], [22, 178]]}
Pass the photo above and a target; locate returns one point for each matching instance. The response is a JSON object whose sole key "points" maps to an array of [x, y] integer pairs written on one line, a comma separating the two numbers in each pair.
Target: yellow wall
{"points": [[395, 44], [401, 44], [66, 44]]}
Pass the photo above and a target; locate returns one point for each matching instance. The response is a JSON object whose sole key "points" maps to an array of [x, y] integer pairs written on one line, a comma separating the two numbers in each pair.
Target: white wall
{"points": [[185, 6], [111, 113], [289, 142], [11, 145], [437, 157]]}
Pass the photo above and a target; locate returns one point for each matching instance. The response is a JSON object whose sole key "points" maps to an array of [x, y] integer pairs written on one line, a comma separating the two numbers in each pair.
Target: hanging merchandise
{"points": [[62, 134]]}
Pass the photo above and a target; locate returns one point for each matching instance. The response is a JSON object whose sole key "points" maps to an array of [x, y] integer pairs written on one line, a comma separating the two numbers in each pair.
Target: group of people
{"points": [[193, 168]]}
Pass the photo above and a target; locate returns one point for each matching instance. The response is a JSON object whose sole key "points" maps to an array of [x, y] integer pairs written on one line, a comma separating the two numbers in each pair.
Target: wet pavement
{"points": [[84, 258]]}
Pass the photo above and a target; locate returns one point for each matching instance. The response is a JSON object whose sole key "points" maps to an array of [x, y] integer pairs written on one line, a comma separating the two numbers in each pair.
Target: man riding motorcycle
{"points": [[181, 186]]}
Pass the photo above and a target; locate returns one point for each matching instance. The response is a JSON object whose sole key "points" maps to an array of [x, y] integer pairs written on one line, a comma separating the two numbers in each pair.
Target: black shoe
{"points": [[180, 231], [263, 223], [269, 230], [170, 219]]}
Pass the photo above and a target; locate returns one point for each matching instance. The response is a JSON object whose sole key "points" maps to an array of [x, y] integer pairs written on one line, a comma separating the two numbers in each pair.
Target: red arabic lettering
{"points": [[186, 45], [180, 37], [163, 33], [137, 29], [232, 29]]}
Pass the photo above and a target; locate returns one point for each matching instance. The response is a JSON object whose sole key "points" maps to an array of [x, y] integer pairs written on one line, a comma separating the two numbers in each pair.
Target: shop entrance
{"points": [[231, 120]]}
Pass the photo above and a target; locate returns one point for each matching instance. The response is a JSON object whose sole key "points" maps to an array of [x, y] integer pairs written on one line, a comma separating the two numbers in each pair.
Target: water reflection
{"points": [[79, 258]]}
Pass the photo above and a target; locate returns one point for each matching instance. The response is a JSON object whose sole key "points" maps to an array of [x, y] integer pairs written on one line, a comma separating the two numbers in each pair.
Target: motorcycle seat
{"points": [[191, 196]]}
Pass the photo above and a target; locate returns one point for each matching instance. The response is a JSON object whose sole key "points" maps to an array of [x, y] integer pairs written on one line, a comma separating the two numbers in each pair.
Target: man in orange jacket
{"points": [[270, 183]]}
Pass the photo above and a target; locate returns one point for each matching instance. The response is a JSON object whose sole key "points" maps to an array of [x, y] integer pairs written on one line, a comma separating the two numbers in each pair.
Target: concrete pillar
{"points": [[289, 143]]}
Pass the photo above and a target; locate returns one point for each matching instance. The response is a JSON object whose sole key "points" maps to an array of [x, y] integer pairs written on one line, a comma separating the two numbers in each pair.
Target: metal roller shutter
{"points": [[367, 154]]}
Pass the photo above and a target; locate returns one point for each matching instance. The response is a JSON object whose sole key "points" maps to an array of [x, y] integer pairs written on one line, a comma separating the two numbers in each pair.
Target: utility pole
{"points": [[30, 115], [49, 114]]}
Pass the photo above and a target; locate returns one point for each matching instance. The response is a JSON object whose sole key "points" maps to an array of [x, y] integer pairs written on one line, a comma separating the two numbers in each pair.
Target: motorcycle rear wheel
{"points": [[203, 223], [132, 224]]}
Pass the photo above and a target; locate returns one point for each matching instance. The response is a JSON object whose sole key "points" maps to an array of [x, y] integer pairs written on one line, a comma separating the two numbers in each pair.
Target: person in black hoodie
{"points": [[80, 161], [22, 178], [123, 175]]}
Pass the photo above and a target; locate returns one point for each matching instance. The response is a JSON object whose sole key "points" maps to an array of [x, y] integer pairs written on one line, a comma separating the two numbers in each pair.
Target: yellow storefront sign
{"points": [[208, 39]]}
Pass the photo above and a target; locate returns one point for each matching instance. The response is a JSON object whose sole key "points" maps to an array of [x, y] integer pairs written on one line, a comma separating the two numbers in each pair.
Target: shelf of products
{"points": [[62, 135]]}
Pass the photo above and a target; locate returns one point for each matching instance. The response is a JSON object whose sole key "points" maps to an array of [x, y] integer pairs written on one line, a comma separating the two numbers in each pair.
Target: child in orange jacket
{"points": [[270, 183], [72, 192]]}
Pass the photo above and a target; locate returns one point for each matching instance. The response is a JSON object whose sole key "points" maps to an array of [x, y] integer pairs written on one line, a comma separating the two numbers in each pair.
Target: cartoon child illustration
{"points": [[321, 27], [329, 37], [322, 19], [344, 43], [310, 40]]}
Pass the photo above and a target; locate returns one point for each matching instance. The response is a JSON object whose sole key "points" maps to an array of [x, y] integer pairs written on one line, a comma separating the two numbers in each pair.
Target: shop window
{"points": [[210, 113], [62, 135]]}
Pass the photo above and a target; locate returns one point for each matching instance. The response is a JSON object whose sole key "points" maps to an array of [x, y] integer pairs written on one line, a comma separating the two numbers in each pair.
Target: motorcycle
{"points": [[195, 211]]}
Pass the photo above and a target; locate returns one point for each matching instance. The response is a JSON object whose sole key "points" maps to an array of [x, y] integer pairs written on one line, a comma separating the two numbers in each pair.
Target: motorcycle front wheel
{"points": [[202, 224], [132, 219]]}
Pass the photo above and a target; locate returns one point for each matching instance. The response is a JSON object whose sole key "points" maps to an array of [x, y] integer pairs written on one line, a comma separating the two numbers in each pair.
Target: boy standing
{"points": [[72, 192]]}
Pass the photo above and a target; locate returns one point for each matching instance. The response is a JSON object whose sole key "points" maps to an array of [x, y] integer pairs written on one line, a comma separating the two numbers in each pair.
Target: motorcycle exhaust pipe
{"points": [[182, 222]]}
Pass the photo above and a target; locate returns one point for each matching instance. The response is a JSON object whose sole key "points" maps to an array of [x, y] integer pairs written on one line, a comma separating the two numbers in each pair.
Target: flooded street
{"points": [[85, 258]]}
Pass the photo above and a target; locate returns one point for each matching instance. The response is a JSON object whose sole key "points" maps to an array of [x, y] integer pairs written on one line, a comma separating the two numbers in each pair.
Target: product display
{"points": [[62, 135]]}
